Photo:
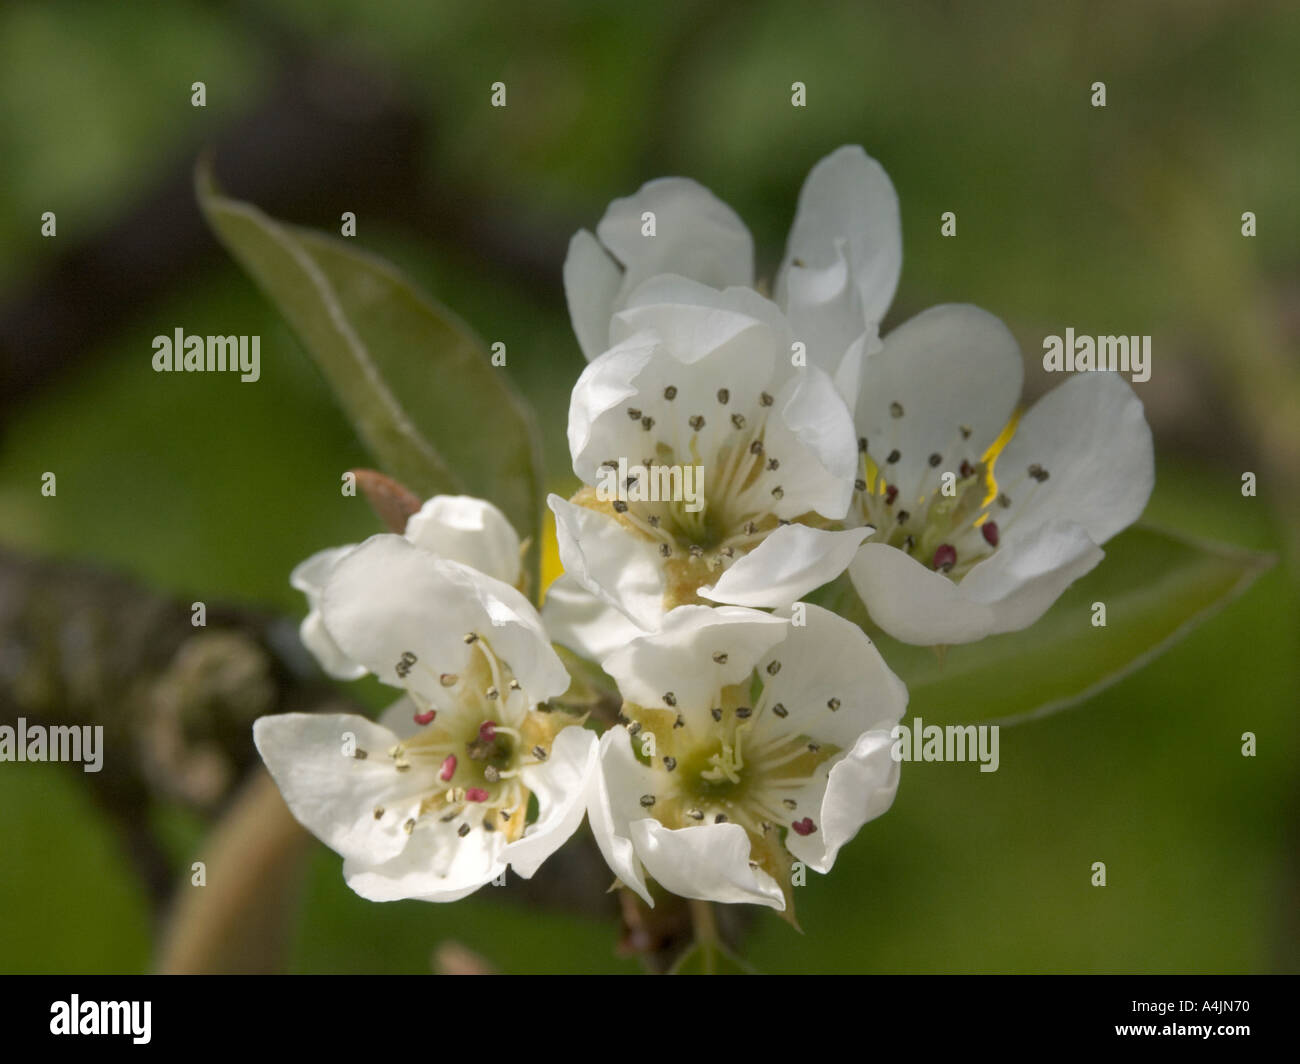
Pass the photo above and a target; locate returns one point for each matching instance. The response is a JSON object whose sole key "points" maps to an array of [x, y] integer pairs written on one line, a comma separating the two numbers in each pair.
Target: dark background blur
{"points": [[1117, 220]]}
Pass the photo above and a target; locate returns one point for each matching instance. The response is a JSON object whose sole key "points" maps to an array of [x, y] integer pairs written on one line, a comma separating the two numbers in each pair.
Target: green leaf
{"points": [[710, 958], [415, 381], [1157, 586]]}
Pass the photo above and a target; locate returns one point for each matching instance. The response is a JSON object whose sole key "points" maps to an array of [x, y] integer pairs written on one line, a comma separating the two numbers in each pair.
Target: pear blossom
{"points": [[973, 542], [458, 527], [752, 742], [699, 379], [433, 800], [837, 278]]}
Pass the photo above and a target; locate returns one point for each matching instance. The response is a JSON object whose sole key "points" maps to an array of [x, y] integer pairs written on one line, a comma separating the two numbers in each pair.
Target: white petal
{"points": [[950, 366], [710, 862], [825, 309], [1090, 435], [861, 786], [562, 785], [680, 657], [471, 531], [789, 563], [389, 597], [615, 800], [696, 235], [309, 577], [437, 865], [584, 622], [612, 561], [1006, 592], [599, 428], [591, 283], [847, 197], [828, 658], [812, 436], [335, 795]]}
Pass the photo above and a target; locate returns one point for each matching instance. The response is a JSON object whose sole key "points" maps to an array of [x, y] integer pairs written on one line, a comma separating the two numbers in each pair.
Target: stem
{"points": [[702, 919]]}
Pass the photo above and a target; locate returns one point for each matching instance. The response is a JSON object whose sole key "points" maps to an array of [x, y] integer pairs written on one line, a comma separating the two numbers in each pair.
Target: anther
{"points": [[695, 814], [738, 421], [756, 447], [859, 485], [1004, 500], [620, 507], [491, 773], [780, 710], [721, 818], [487, 731], [778, 492], [789, 803], [463, 830], [634, 413], [448, 768], [647, 423], [647, 800], [409, 826], [665, 550], [814, 748], [862, 445], [895, 409], [945, 557], [515, 685], [379, 812], [540, 753], [670, 699], [492, 693], [720, 658], [1038, 472], [723, 396], [475, 794], [697, 422], [903, 515], [680, 722], [696, 551], [765, 399], [833, 704], [448, 679], [773, 463], [773, 667], [670, 393], [716, 712], [989, 529], [426, 717], [894, 456], [360, 754], [965, 431], [935, 459], [744, 712], [804, 826], [470, 638], [670, 763]]}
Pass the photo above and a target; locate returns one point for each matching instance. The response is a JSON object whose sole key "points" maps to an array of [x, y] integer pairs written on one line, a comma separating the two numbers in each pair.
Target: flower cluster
{"points": [[755, 727]]}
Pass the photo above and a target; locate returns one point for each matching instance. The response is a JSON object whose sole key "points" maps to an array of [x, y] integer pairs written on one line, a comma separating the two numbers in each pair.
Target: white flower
{"points": [[432, 802], [699, 384], [1019, 526], [838, 276], [457, 527], [752, 743]]}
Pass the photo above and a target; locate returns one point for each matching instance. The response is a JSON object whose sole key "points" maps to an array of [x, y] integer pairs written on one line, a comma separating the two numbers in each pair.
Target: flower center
{"points": [[739, 763], [474, 759], [731, 509], [952, 516]]}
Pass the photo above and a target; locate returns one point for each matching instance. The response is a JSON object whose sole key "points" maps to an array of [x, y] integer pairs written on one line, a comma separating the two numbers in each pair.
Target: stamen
{"points": [[448, 679], [720, 658], [670, 393], [697, 422], [448, 768], [647, 800], [426, 717], [764, 399], [773, 667], [723, 396], [833, 704], [945, 557], [463, 830], [670, 699], [476, 794], [895, 409], [989, 529], [804, 826], [487, 731], [780, 710], [670, 763], [894, 456]]}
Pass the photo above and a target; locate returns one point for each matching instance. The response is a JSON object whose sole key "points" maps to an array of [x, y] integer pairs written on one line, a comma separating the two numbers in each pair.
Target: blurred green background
{"points": [[1124, 219]]}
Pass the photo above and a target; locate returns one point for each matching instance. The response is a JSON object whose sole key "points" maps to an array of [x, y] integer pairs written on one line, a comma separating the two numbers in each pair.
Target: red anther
{"points": [[448, 768], [945, 557], [966, 468], [990, 530], [476, 794], [426, 718], [891, 493], [804, 826], [487, 731]]}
